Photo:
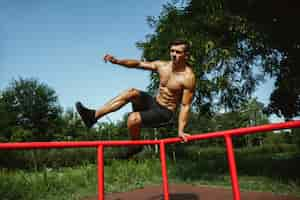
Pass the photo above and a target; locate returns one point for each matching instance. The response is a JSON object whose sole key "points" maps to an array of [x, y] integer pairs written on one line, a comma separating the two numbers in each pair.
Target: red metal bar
{"points": [[232, 168], [100, 172], [73, 144], [164, 169], [239, 131]]}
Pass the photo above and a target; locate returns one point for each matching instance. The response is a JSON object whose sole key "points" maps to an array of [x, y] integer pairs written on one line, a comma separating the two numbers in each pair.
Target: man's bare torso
{"points": [[171, 85]]}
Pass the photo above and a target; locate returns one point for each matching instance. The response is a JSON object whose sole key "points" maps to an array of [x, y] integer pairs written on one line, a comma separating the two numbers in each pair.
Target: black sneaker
{"points": [[87, 115]]}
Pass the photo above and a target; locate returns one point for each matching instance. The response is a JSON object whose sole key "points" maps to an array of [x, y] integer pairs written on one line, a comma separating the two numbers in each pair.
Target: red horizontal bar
{"points": [[239, 131], [72, 144]]}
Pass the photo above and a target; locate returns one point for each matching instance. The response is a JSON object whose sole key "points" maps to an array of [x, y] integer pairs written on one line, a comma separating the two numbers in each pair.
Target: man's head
{"points": [[179, 51]]}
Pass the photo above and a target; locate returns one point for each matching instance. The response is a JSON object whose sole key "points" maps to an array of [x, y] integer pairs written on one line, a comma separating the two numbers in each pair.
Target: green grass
{"points": [[79, 182], [66, 183], [259, 169]]}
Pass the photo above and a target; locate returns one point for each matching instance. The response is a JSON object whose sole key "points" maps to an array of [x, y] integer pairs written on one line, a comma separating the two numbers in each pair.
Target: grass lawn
{"points": [[78, 182]]}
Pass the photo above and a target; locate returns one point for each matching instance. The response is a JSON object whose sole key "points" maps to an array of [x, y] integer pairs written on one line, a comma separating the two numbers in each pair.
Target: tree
{"points": [[70, 126], [235, 45], [224, 52], [5, 122], [250, 114], [252, 111], [31, 105], [277, 23]]}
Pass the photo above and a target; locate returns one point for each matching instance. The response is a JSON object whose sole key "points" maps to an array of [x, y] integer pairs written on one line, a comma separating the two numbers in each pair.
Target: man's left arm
{"points": [[186, 102]]}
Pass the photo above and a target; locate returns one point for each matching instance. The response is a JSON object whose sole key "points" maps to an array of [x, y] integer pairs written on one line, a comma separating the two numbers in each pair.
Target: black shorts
{"points": [[152, 113]]}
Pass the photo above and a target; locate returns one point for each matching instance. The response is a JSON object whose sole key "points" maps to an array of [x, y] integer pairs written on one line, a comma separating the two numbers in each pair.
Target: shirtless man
{"points": [[176, 86]]}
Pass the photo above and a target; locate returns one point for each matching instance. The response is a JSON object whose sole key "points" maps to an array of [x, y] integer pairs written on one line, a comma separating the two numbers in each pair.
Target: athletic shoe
{"points": [[87, 115]]}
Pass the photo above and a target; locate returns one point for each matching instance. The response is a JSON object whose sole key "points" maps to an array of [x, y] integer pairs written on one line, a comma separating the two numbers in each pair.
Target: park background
{"points": [[51, 53]]}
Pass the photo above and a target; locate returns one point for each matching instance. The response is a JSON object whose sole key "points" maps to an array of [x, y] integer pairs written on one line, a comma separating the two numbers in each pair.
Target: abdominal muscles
{"points": [[169, 98]]}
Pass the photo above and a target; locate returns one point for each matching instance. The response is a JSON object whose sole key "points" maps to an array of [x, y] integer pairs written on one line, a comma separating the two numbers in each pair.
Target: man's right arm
{"points": [[153, 66]]}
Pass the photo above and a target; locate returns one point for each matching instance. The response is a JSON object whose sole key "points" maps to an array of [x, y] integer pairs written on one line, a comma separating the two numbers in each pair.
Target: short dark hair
{"points": [[181, 42]]}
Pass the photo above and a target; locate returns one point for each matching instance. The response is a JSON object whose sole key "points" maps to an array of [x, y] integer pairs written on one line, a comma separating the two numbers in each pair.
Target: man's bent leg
{"points": [[118, 102], [134, 122], [90, 117], [134, 125]]}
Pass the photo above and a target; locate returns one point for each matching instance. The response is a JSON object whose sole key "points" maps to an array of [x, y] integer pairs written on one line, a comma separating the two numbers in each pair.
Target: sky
{"points": [[62, 43]]}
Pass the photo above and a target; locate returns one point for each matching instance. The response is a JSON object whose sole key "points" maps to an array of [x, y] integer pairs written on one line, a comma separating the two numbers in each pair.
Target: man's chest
{"points": [[172, 81]]}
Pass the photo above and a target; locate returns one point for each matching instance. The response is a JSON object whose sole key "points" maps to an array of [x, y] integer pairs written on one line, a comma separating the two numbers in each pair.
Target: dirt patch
{"points": [[188, 192]]}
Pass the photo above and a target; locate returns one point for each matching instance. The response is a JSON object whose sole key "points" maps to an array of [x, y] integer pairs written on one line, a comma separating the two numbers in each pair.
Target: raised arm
{"points": [[186, 102], [129, 63]]}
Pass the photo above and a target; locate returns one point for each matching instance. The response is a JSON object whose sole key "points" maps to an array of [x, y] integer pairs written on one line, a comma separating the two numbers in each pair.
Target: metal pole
{"points": [[164, 170], [100, 172], [232, 168], [80, 144]]}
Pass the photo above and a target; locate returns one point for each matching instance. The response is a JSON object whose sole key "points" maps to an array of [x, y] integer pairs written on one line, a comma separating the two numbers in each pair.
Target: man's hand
{"points": [[183, 136], [110, 58]]}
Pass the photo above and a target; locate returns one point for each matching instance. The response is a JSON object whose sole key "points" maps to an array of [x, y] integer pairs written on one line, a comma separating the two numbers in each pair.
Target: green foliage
{"points": [[32, 113], [31, 106], [235, 44], [48, 184], [276, 23], [296, 137], [249, 114], [278, 163], [223, 55], [51, 158], [127, 175]]}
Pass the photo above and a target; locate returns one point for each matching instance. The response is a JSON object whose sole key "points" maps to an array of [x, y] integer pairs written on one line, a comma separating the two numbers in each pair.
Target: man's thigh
{"points": [[143, 102]]}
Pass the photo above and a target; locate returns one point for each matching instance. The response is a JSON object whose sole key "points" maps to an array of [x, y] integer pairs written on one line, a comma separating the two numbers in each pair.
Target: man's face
{"points": [[178, 53]]}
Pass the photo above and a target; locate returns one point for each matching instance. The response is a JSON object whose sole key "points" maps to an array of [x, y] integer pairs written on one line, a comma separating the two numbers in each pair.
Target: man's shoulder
{"points": [[163, 63], [190, 71], [190, 78]]}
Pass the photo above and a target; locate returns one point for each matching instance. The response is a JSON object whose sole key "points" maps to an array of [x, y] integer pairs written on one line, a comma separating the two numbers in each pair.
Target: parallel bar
{"points": [[232, 168], [100, 156], [74, 144], [239, 131], [164, 170]]}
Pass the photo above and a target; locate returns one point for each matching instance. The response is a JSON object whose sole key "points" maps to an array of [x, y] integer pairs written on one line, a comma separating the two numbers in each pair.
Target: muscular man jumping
{"points": [[176, 87]]}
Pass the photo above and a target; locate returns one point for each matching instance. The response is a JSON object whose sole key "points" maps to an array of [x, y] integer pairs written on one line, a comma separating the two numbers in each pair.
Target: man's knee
{"points": [[132, 93], [134, 119]]}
